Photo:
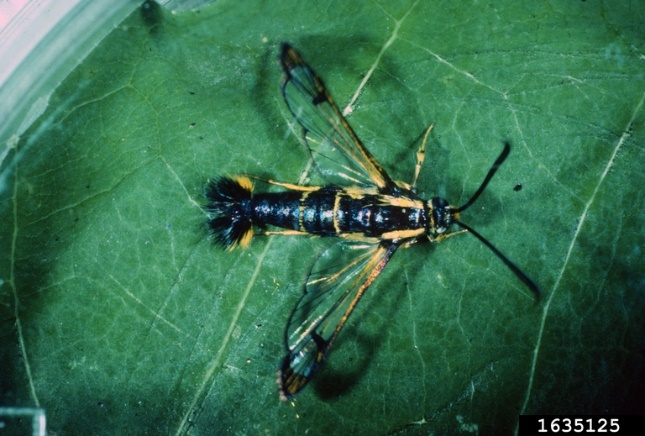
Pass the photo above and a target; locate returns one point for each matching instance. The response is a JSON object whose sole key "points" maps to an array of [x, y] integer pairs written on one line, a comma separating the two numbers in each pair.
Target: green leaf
{"points": [[119, 314]]}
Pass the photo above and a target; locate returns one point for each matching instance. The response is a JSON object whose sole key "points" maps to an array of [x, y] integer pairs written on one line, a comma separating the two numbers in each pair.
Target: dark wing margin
{"points": [[339, 154], [338, 280]]}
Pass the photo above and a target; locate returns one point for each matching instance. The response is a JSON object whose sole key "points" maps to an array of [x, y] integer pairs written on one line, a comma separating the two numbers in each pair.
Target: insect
{"points": [[371, 214]]}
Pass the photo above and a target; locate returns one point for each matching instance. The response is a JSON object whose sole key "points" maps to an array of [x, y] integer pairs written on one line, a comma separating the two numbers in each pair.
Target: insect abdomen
{"points": [[309, 212], [329, 211], [333, 212], [280, 209]]}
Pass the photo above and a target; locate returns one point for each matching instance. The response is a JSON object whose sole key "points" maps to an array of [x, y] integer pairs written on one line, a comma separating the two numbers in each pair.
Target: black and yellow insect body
{"points": [[356, 214], [371, 214]]}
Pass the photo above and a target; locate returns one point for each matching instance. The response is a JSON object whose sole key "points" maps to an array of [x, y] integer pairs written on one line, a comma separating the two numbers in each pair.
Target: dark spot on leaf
{"points": [[517, 187]]}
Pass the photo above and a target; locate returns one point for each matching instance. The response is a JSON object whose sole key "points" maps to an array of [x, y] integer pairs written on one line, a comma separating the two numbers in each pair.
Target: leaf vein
{"points": [[621, 141]]}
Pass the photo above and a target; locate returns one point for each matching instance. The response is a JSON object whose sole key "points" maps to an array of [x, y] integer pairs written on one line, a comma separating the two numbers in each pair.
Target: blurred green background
{"points": [[119, 315]]}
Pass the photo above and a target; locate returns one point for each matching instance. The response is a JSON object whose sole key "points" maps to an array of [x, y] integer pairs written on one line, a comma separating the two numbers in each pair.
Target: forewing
{"points": [[339, 154], [337, 282]]}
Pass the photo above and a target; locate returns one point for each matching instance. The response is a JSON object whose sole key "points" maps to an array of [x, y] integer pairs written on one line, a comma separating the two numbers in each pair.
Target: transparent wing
{"points": [[339, 154], [337, 281]]}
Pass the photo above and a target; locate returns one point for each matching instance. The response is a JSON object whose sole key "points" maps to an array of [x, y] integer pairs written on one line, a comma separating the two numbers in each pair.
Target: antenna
{"points": [[500, 160], [518, 272]]}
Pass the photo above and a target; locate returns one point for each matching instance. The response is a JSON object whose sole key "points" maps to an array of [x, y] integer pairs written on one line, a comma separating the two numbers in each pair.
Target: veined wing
{"points": [[337, 151], [337, 282]]}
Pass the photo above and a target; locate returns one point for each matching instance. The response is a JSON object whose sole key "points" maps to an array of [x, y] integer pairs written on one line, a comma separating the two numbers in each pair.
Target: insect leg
{"points": [[286, 233], [290, 186], [447, 235], [421, 155]]}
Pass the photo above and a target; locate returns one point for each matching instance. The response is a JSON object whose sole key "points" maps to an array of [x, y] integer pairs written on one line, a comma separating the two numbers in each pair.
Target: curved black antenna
{"points": [[500, 160], [518, 272]]}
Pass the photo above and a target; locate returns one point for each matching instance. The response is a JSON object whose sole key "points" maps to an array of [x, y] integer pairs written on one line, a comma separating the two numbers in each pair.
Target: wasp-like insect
{"points": [[372, 214]]}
